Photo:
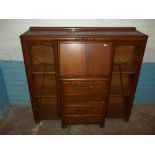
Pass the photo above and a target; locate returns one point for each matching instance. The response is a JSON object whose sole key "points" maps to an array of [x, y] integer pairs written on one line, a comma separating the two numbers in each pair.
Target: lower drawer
{"points": [[77, 119], [83, 109], [80, 99]]}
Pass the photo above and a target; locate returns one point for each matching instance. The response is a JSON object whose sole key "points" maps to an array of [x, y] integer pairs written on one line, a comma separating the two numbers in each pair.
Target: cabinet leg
{"points": [[126, 119], [102, 125], [63, 125], [37, 121]]}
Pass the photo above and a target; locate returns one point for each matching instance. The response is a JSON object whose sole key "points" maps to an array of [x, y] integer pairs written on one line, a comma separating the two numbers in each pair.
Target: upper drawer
{"points": [[85, 87], [85, 58]]}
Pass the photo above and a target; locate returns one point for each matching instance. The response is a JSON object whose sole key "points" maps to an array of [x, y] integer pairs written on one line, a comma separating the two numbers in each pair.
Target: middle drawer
{"points": [[82, 99], [83, 109]]}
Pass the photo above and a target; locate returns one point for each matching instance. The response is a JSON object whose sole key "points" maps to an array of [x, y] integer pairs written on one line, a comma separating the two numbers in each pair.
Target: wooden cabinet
{"points": [[82, 74]]}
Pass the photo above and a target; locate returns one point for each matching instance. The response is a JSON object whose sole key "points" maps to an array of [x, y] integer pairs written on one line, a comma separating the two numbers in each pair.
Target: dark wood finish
{"points": [[84, 87], [83, 109], [85, 58], [81, 99], [90, 72]]}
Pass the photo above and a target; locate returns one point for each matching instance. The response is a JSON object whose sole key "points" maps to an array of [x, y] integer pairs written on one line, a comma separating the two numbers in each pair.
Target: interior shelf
{"points": [[43, 72], [47, 96]]}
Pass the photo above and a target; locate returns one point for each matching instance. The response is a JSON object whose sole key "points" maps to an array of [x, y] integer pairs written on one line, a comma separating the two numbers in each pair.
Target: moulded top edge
{"points": [[83, 28], [83, 32]]}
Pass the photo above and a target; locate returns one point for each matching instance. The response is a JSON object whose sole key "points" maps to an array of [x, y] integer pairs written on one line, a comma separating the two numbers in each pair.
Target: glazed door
{"points": [[126, 67], [41, 59]]}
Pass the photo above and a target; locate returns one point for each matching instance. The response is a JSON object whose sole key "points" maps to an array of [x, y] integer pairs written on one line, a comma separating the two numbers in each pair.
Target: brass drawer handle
{"points": [[82, 111], [83, 98], [78, 98], [88, 98], [77, 86], [78, 119], [82, 86]]}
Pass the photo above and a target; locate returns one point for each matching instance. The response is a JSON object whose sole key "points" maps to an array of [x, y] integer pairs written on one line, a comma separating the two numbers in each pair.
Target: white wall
{"points": [[10, 30]]}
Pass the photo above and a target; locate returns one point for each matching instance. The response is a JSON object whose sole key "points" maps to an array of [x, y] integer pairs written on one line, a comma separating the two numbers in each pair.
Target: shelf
{"points": [[125, 69], [43, 73], [47, 96]]}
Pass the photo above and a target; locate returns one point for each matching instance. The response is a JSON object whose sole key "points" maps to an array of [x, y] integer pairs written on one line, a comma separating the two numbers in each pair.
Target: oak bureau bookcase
{"points": [[82, 74]]}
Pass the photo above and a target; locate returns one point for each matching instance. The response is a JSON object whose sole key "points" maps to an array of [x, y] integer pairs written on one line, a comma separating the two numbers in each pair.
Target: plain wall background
{"points": [[10, 30]]}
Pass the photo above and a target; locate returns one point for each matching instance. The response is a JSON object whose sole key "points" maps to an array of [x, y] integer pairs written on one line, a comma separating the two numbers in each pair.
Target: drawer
{"points": [[83, 110], [83, 99], [76, 119], [83, 88]]}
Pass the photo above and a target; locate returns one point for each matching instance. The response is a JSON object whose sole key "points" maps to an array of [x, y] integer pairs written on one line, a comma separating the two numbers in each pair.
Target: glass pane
{"points": [[42, 58], [45, 85], [124, 53]]}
